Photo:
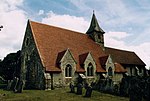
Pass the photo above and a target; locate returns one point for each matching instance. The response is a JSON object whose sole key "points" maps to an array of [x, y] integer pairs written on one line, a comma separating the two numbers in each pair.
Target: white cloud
{"points": [[13, 20], [66, 21], [117, 35], [41, 12], [7, 5], [142, 50], [81, 5], [115, 39]]}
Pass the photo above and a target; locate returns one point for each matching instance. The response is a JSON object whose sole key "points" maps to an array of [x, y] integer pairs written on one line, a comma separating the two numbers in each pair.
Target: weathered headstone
{"points": [[9, 84], [116, 89], [72, 88], [86, 85], [108, 86], [79, 89], [88, 91], [15, 84], [19, 87]]}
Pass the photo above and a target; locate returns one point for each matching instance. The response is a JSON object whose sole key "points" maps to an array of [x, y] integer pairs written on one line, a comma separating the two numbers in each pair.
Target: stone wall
{"points": [[117, 78], [32, 71], [110, 64], [67, 59], [89, 59], [135, 70]]}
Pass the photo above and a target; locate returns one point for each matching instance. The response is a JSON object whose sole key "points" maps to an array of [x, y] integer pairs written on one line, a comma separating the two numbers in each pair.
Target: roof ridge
{"points": [[120, 49], [57, 27]]}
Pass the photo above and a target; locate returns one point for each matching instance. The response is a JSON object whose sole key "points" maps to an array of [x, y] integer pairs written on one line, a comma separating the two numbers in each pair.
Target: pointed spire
{"points": [[94, 26]]}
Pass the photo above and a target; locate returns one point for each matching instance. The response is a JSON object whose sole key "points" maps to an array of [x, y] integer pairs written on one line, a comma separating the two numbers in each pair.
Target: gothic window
{"points": [[110, 72], [68, 71], [100, 37], [90, 70]]}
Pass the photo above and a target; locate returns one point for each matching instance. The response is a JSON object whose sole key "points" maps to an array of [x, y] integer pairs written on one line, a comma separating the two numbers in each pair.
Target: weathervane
{"points": [[1, 27]]}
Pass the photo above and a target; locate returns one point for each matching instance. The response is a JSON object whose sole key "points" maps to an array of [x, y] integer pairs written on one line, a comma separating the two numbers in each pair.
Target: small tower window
{"points": [[100, 37]]}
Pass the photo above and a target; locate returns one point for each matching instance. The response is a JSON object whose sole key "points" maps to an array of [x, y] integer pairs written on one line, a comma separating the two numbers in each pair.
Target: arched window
{"points": [[68, 71], [110, 72], [90, 70], [27, 42]]}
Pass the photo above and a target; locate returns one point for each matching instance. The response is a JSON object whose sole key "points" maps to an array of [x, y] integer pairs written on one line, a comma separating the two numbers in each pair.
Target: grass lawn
{"points": [[56, 95]]}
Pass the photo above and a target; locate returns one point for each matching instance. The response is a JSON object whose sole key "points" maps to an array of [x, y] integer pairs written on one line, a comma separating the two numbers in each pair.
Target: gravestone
{"points": [[88, 91], [108, 86], [9, 84], [79, 89], [86, 85], [14, 85], [19, 87], [72, 88]]}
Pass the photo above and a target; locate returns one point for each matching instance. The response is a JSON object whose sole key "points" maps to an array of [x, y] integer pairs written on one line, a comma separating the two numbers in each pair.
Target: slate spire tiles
{"points": [[94, 26]]}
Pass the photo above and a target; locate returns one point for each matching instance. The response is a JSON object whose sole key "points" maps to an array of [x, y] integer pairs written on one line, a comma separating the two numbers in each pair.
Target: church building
{"points": [[53, 57]]}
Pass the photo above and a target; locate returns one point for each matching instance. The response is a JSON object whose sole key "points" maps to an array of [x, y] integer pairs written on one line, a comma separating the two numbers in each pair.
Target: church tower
{"points": [[95, 32]]}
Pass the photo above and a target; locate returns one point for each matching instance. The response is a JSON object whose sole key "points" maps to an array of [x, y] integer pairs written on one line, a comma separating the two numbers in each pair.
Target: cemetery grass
{"points": [[56, 95]]}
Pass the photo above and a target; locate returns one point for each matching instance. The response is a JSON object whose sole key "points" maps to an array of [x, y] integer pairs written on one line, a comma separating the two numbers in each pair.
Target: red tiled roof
{"points": [[51, 40], [124, 57], [82, 57], [98, 70], [119, 68], [59, 56], [103, 60]]}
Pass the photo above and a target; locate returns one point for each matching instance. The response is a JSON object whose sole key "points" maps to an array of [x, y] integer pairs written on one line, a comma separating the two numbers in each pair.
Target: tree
{"points": [[0, 67], [11, 66]]}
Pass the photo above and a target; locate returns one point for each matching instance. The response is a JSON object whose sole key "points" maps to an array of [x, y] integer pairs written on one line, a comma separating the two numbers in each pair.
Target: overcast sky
{"points": [[126, 22]]}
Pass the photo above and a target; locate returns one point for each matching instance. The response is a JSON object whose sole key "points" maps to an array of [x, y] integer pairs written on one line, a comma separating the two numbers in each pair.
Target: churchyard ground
{"points": [[56, 95]]}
